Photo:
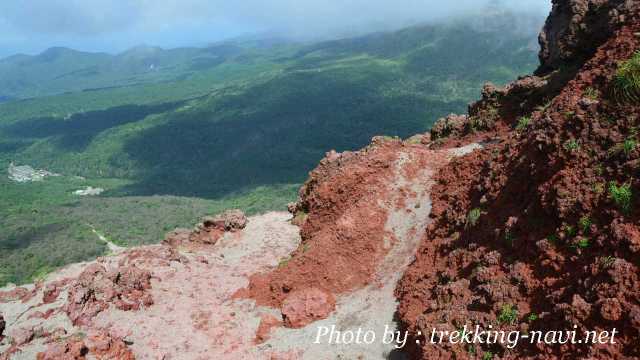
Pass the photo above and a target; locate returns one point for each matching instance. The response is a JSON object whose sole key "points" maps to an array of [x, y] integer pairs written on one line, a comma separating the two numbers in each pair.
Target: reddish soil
{"points": [[342, 232], [550, 241]]}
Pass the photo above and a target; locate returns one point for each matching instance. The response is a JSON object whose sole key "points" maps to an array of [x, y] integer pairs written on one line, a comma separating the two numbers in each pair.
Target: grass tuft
{"points": [[626, 81], [508, 315], [621, 195], [572, 145], [523, 123], [473, 217], [629, 145], [585, 224]]}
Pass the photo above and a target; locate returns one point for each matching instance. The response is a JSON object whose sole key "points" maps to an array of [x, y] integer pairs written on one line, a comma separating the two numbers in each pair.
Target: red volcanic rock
{"points": [[576, 28], [99, 346], [177, 237], [22, 336], [71, 349], [571, 258], [267, 322], [611, 310], [303, 307], [230, 220], [209, 231], [340, 218], [18, 293], [52, 291], [450, 125], [105, 346], [627, 233], [204, 234], [95, 289]]}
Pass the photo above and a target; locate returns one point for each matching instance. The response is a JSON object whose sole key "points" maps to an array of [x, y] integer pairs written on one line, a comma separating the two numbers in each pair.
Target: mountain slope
{"points": [[346, 91], [60, 70]]}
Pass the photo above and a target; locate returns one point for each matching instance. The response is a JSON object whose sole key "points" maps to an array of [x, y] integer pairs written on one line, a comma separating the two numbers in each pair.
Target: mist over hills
{"points": [[60, 69]]}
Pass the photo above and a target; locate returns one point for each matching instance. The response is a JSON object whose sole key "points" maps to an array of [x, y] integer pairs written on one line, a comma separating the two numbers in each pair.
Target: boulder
{"points": [[452, 124], [96, 288], [209, 231], [576, 28], [305, 306], [230, 220], [267, 322]]}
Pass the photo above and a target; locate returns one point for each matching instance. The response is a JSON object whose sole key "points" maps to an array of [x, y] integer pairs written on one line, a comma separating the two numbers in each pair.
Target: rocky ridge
{"points": [[542, 224]]}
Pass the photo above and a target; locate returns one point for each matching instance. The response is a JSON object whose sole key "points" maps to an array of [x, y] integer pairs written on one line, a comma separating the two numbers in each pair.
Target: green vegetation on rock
{"points": [[627, 79]]}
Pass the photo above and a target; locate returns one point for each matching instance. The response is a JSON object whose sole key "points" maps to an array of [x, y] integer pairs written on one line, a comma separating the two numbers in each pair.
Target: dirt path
{"points": [[113, 248]]}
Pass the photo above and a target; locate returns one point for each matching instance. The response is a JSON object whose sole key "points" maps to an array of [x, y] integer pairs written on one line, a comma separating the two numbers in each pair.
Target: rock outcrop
{"points": [[95, 346], [303, 307], [340, 221], [96, 289], [538, 231], [576, 28], [209, 231]]}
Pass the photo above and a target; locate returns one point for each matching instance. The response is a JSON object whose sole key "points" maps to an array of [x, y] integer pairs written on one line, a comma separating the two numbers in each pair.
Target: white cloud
{"points": [[141, 19]]}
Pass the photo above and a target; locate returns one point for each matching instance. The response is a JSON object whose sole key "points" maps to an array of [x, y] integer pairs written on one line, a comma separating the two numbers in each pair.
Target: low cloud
{"points": [[141, 19]]}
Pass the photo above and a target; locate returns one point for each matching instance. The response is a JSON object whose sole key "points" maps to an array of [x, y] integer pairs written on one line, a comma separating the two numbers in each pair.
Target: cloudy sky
{"points": [[30, 26]]}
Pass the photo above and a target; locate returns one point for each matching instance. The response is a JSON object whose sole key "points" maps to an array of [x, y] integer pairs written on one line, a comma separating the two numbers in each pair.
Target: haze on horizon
{"points": [[116, 25]]}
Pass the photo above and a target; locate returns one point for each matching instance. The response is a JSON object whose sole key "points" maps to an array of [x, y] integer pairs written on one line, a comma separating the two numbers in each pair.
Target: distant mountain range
{"points": [[59, 70]]}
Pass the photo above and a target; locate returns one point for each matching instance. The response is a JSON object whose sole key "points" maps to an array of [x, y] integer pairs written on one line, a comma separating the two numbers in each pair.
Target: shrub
{"points": [[473, 217], [572, 145], [487, 356], [508, 315], [599, 188], [585, 224], [570, 231], [626, 81], [591, 93], [523, 123], [621, 195], [628, 146], [583, 243], [607, 261]]}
